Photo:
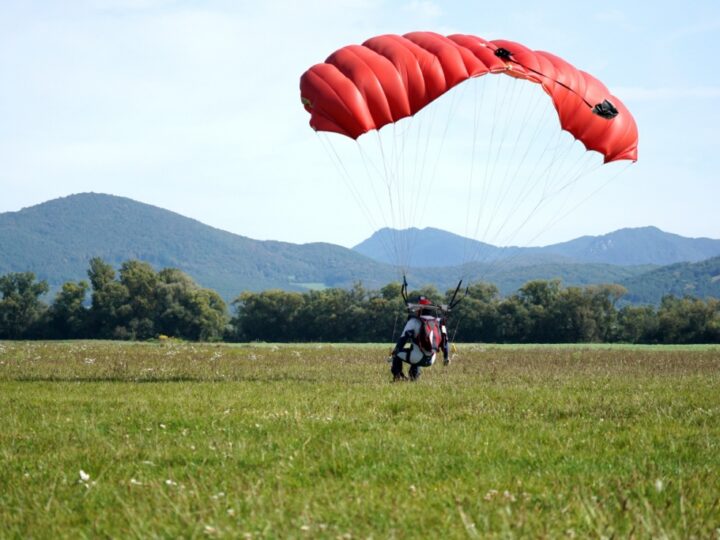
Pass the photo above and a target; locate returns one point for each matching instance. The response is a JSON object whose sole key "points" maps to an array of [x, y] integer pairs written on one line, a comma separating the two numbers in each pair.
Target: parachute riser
{"points": [[454, 301], [444, 310]]}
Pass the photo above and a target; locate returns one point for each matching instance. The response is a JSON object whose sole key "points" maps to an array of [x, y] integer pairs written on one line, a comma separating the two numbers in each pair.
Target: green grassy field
{"points": [[312, 441]]}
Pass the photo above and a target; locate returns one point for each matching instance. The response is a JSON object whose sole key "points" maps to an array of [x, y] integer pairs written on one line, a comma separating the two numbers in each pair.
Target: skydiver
{"points": [[422, 337]]}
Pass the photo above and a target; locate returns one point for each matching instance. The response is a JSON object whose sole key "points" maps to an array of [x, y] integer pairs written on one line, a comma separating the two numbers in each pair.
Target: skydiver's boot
{"points": [[414, 372], [397, 370]]}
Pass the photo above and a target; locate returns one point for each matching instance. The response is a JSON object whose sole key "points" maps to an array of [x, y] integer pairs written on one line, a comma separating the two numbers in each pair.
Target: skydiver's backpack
{"points": [[430, 337]]}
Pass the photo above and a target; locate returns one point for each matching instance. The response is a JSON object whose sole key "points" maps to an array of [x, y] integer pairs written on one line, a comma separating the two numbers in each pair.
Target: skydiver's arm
{"points": [[445, 342], [407, 336]]}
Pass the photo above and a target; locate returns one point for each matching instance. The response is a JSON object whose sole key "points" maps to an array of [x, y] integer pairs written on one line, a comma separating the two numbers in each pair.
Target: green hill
{"points": [[430, 248], [701, 279], [642, 245], [636, 246], [57, 239]]}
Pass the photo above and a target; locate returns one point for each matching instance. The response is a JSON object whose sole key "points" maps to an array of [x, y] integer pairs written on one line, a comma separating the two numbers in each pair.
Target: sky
{"points": [[194, 106]]}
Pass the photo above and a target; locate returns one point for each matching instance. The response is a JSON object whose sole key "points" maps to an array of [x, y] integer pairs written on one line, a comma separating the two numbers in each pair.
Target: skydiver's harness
{"points": [[427, 326], [431, 334]]}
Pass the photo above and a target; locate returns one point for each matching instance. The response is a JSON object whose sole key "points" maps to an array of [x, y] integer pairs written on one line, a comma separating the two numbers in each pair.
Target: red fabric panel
{"points": [[360, 88]]}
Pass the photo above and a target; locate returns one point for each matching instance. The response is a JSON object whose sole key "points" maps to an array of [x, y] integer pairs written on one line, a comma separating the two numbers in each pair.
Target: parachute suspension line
{"points": [[573, 173], [493, 155], [468, 247], [572, 181], [584, 171], [353, 188], [534, 124], [559, 170], [388, 188], [522, 187], [394, 186], [502, 264], [583, 167], [524, 191], [394, 331], [390, 168], [424, 138], [545, 196], [486, 181], [424, 177], [356, 192], [370, 187], [478, 105], [523, 125], [529, 112], [416, 199], [428, 182], [421, 125], [527, 184], [593, 193], [455, 330], [566, 177], [454, 103], [410, 173], [473, 154], [403, 184], [555, 159], [454, 301], [388, 245], [346, 176], [505, 186], [394, 214], [509, 106], [555, 167], [397, 160], [403, 188]]}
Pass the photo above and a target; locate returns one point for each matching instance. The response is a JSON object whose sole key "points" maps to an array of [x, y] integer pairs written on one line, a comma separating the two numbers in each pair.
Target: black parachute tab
{"points": [[605, 110], [503, 53]]}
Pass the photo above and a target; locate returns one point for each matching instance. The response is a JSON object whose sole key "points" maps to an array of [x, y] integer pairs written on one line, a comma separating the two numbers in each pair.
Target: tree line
{"points": [[138, 303]]}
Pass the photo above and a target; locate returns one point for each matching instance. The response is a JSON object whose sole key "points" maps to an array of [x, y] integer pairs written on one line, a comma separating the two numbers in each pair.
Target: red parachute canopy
{"points": [[360, 88]]}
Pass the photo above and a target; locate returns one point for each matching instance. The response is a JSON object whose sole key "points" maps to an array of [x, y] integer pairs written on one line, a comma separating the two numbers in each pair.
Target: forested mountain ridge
{"points": [[57, 239], [625, 247], [643, 245], [700, 279]]}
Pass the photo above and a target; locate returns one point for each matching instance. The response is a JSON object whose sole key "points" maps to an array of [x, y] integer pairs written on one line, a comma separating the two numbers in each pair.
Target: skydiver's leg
{"points": [[397, 369]]}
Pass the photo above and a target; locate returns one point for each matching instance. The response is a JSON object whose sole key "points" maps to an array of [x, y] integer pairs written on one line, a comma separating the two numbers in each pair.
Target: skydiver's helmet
{"points": [[423, 301]]}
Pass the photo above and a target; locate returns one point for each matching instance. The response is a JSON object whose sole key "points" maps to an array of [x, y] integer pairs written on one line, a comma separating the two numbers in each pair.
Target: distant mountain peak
{"points": [[627, 246], [56, 239]]}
